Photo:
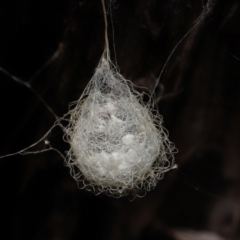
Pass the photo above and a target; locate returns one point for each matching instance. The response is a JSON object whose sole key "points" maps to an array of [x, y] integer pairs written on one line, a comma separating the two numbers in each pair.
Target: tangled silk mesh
{"points": [[117, 145]]}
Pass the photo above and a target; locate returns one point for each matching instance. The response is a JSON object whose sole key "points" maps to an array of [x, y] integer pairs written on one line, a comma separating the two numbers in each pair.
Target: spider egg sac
{"points": [[116, 143]]}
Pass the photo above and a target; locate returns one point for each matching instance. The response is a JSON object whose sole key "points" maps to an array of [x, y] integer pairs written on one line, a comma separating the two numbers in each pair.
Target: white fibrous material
{"points": [[117, 145]]}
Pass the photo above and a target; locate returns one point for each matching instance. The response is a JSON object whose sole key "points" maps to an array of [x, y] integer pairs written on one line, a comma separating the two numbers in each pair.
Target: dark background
{"points": [[200, 97]]}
